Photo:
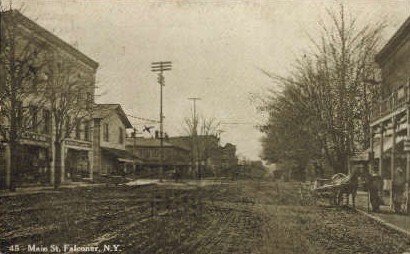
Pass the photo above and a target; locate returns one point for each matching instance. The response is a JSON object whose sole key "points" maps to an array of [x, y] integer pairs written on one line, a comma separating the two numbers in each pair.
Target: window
{"points": [[33, 115], [19, 107], [105, 132], [78, 130], [87, 136], [121, 135], [89, 102], [47, 121], [68, 126]]}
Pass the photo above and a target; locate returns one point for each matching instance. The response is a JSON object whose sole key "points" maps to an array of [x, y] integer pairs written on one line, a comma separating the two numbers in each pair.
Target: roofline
{"points": [[121, 112], [393, 42], [31, 25], [169, 145], [124, 116]]}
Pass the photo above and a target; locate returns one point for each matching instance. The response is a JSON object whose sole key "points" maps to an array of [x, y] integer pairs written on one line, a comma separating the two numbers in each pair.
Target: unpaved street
{"points": [[225, 217]]}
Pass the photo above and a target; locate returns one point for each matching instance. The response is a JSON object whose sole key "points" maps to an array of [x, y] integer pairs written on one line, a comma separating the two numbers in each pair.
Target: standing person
{"points": [[398, 188], [373, 187]]}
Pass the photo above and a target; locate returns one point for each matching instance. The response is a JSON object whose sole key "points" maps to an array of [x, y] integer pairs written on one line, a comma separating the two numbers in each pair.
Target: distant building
{"points": [[110, 153], [229, 160], [212, 159], [176, 158]]}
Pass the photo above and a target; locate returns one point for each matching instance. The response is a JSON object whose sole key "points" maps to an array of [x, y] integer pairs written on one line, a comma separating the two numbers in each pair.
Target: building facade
{"points": [[110, 153], [390, 119], [229, 161], [36, 148], [176, 158], [207, 156]]}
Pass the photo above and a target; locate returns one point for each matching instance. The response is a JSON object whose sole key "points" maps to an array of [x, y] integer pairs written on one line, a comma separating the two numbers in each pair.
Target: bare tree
{"points": [[328, 93], [205, 142], [69, 93]]}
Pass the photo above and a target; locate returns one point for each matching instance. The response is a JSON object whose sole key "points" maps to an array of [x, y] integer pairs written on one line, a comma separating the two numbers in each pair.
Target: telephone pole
{"points": [[195, 147], [160, 67]]}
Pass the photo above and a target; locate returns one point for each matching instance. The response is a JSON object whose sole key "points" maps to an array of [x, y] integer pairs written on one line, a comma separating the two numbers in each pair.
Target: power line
{"points": [[142, 118], [237, 123]]}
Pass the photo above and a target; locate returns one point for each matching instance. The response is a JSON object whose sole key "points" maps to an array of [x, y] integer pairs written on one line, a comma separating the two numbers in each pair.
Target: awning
{"points": [[387, 145], [121, 155], [126, 160]]}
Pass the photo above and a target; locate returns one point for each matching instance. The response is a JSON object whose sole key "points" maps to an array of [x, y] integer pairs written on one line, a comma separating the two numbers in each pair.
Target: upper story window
{"points": [[106, 132], [33, 115], [47, 121], [120, 135], [68, 127], [87, 135], [78, 130], [89, 102]]}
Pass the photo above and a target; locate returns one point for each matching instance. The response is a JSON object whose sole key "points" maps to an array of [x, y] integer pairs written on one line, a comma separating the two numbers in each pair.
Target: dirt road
{"points": [[229, 217]]}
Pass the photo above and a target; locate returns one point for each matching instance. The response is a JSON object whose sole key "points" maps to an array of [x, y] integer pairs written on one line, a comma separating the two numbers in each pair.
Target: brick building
{"points": [[36, 147]]}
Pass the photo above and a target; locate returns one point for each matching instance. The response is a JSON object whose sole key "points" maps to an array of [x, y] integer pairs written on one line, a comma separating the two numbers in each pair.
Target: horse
{"points": [[348, 186]]}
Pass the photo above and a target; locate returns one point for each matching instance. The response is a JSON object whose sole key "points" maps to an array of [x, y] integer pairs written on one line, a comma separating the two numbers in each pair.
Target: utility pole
{"points": [[160, 67], [194, 137]]}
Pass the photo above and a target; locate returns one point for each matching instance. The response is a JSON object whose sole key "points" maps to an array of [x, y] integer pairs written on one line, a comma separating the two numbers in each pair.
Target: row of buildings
{"points": [[94, 139]]}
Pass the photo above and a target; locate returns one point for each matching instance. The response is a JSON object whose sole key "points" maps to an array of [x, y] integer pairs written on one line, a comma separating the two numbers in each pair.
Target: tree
{"points": [[204, 143], [70, 96], [323, 108], [22, 57]]}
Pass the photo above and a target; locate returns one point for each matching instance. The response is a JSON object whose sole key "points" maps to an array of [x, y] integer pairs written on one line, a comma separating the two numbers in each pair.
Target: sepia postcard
{"points": [[205, 126]]}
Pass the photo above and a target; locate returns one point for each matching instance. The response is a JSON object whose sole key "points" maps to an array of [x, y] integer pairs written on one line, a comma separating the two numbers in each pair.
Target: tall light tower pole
{"points": [[194, 137], [160, 67]]}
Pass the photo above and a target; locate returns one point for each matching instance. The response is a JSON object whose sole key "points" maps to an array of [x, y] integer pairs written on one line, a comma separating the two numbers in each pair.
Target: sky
{"points": [[217, 49]]}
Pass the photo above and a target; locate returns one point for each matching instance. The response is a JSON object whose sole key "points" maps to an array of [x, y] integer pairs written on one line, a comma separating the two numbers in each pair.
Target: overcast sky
{"points": [[216, 47]]}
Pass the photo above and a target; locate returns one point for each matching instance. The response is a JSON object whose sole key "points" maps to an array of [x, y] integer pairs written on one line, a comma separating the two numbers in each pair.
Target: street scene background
{"points": [[204, 126]]}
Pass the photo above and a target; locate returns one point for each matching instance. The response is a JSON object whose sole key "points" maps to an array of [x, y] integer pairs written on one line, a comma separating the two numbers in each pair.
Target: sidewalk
{"points": [[131, 183], [385, 216], [72, 185], [46, 189]]}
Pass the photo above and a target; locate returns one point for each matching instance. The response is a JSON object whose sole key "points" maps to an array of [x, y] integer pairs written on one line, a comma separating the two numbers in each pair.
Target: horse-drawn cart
{"points": [[335, 187]]}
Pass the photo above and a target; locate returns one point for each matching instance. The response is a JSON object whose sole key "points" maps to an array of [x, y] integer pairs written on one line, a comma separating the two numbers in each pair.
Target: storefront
{"points": [[33, 160], [118, 162], [32, 165], [78, 160], [77, 164]]}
